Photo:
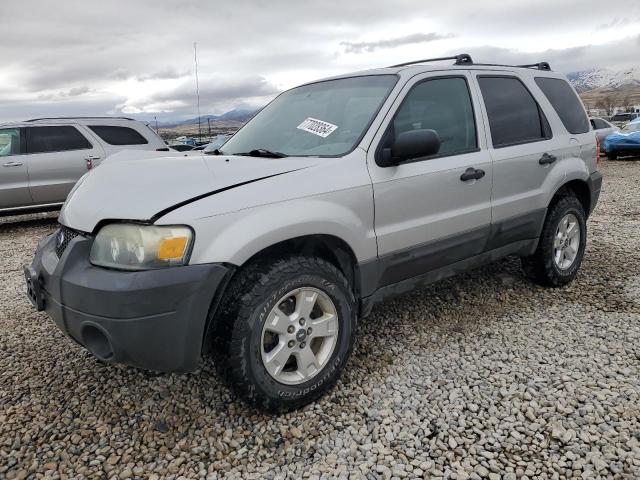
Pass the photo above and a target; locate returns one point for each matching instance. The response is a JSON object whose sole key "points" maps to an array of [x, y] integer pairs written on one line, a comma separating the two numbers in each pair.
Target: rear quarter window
{"points": [[114, 135], [566, 103]]}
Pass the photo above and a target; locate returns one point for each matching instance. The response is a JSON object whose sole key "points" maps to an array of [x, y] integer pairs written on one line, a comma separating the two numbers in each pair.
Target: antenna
{"points": [[195, 60]]}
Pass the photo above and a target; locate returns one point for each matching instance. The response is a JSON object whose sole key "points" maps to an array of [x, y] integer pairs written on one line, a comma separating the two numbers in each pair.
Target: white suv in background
{"points": [[41, 159]]}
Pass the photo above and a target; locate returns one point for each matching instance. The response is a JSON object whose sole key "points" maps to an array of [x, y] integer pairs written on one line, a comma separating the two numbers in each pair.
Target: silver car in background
{"points": [[41, 159], [602, 128]]}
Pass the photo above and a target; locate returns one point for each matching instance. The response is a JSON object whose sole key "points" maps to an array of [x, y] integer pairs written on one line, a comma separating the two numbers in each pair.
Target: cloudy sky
{"points": [[129, 57]]}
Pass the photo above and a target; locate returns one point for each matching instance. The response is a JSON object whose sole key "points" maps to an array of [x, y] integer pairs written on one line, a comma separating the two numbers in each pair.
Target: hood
{"points": [[131, 186]]}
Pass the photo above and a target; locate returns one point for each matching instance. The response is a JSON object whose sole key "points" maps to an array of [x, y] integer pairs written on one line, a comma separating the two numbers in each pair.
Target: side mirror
{"points": [[409, 145]]}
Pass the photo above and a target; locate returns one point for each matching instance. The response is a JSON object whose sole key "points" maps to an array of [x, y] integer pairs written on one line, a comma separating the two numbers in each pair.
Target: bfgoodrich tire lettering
{"points": [[252, 295], [541, 267]]}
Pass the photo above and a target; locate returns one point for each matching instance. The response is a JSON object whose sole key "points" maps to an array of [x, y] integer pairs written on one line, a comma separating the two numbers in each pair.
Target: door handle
{"points": [[472, 174], [13, 164], [547, 159]]}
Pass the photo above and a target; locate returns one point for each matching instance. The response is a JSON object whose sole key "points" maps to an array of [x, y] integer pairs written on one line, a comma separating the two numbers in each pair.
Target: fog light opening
{"points": [[97, 343]]}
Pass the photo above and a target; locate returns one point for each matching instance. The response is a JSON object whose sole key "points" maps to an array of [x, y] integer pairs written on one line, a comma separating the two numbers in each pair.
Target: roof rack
{"points": [[465, 59], [539, 66], [78, 118], [462, 59]]}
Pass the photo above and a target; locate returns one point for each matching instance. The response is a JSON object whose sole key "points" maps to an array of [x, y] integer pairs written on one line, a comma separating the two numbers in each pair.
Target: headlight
{"points": [[141, 247]]}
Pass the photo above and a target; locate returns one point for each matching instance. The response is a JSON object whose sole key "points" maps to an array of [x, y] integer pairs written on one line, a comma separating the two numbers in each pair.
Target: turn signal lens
{"points": [[171, 248]]}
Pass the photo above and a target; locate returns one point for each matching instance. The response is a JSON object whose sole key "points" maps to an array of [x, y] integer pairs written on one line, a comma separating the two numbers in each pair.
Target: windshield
{"points": [[632, 127], [322, 119], [216, 143]]}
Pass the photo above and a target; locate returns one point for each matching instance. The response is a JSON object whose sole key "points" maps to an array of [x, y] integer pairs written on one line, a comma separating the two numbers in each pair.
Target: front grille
{"points": [[63, 237]]}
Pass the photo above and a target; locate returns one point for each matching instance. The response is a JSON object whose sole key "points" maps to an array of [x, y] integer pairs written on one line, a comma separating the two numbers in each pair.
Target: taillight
{"points": [[597, 150]]}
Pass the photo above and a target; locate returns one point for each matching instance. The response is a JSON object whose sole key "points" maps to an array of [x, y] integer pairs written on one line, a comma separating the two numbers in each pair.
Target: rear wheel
{"points": [[561, 246], [285, 331]]}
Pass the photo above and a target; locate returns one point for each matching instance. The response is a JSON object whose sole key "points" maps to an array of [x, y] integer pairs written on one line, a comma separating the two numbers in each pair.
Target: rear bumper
{"points": [[153, 319], [595, 185]]}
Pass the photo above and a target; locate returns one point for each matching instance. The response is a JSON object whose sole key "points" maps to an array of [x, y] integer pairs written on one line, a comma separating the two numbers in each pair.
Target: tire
{"points": [[612, 155], [542, 267], [240, 333]]}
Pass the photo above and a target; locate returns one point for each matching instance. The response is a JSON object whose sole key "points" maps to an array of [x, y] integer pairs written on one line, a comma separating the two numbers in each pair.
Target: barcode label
{"points": [[317, 127]]}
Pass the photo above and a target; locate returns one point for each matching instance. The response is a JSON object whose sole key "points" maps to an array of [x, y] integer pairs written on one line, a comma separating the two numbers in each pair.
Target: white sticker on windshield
{"points": [[317, 127]]}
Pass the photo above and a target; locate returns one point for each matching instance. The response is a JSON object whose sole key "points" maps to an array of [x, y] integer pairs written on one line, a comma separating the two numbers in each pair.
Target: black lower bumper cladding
{"points": [[153, 319]]}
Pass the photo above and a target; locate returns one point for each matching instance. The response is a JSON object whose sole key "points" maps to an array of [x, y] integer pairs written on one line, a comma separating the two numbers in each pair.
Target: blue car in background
{"points": [[625, 142]]}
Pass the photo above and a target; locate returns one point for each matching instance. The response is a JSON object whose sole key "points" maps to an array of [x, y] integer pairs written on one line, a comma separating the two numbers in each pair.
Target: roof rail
{"points": [[465, 59], [462, 59], [539, 66], [78, 118]]}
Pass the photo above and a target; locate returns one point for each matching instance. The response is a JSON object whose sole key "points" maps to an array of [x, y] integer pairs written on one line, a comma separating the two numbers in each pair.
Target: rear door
{"points": [[426, 215], [14, 175], [58, 156], [524, 152]]}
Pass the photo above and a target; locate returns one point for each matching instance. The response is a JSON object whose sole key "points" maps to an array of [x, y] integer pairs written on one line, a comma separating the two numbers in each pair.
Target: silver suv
{"points": [[41, 159], [337, 195]]}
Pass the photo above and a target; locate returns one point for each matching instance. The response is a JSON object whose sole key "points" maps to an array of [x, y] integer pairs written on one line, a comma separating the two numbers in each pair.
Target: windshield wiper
{"points": [[261, 152]]}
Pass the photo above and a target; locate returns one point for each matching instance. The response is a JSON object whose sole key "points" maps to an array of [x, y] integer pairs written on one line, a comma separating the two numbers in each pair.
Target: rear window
{"points": [[118, 135], [599, 124], [566, 104], [55, 139], [514, 115]]}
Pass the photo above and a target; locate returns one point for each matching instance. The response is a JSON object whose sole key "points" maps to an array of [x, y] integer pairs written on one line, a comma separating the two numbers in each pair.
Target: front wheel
{"points": [[561, 246], [612, 155], [285, 331]]}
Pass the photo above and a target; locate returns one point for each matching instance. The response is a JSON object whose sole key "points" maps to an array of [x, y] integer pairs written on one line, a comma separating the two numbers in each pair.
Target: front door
{"points": [[14, 177], [58, 156], [430, 212]]}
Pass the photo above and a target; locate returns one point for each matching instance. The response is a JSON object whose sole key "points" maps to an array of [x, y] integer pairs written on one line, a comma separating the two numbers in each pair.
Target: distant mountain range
{"points": [[595, 78], [240, 115]]}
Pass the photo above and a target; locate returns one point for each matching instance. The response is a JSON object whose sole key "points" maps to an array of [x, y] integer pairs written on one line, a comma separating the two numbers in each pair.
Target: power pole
{"points": [[195, 60], [209, 125]]}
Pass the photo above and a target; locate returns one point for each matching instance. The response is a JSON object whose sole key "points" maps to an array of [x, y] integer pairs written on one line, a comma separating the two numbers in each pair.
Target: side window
{"points": [[443, 105], [118, 135], [514, 115], [566, 104], [9, 141], [55, 139]]}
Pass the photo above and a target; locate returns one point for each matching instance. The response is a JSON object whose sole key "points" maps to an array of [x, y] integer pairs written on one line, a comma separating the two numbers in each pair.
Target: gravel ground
{"points": [[481, 376]]}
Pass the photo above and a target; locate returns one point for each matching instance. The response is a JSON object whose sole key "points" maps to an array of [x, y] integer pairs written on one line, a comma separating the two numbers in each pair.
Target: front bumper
{"points": [[154, 319]]}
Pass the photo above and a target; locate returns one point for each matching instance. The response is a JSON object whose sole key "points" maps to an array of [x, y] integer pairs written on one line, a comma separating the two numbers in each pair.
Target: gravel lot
{"points": [[481, 376]]}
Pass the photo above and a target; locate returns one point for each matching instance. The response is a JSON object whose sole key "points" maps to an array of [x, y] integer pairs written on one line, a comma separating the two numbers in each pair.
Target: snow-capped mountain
{"points": [[602, 77]]}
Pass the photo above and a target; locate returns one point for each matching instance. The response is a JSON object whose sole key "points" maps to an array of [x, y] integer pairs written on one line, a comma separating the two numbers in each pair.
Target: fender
{"points": [[236, 237], [567, 170]]}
